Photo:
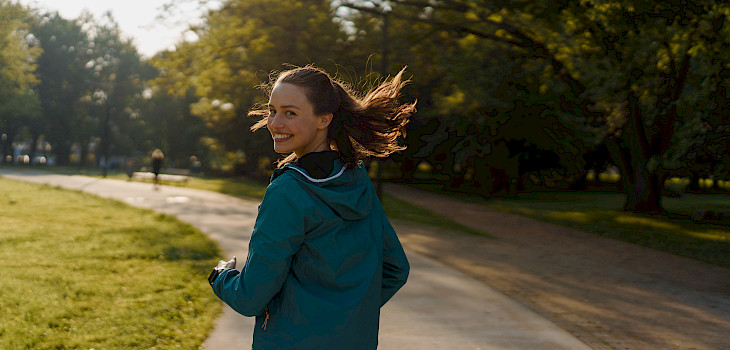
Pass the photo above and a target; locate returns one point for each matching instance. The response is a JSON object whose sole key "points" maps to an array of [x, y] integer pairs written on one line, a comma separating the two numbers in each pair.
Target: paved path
{"points": [[439, 307]]}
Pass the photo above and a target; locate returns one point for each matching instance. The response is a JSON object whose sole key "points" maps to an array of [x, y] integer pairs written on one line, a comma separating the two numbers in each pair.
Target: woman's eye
{"points": [[290, 114], [272, 113]]}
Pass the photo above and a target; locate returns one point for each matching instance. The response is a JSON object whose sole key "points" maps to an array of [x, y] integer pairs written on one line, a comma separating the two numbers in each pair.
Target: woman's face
{"points": [[293, 124]]}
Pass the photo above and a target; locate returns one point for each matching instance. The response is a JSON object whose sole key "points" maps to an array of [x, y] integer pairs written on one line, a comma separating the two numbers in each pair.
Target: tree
{"points": [[63, 76], [118, 83], [18, 102], [91, 85], [640, 78]]}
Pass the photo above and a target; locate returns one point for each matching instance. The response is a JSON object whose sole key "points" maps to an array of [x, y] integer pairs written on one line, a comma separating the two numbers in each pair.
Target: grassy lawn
{"points": [[601, 213], [82, 272], [233, 186], [398, 209]]}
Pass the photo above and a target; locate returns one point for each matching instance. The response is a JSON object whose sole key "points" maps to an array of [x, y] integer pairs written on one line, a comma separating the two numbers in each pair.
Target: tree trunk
{"points": [[63, 152], [5, 147], [9, 151], [694, 182], [643, 189], [644, 195], [34, 147], [501, 184], [84, 155], [409, 168]]}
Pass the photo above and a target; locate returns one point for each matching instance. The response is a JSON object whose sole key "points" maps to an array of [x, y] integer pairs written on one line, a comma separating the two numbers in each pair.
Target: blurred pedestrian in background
{"points": [[157, 158]]}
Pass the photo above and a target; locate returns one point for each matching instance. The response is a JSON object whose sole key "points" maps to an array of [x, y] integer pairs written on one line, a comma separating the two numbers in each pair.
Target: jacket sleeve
{"points": [[277, 235], [395, 263]]}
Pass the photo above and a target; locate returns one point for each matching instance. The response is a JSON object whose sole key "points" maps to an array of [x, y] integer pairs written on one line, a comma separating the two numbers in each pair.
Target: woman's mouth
{"points": [[282, 137]]}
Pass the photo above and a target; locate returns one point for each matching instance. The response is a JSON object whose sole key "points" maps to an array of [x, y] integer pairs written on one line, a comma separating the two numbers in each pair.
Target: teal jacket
{"points": [[322, 260]]}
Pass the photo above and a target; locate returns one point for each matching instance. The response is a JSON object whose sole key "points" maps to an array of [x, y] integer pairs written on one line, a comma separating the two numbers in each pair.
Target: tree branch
{"points": [[522, 40]]}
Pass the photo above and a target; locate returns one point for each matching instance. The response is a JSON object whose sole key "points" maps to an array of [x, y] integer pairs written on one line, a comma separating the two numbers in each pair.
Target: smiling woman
{"points": [[323, 257]]}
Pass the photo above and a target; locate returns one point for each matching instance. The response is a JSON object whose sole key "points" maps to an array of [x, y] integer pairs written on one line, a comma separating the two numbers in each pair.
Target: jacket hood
{"points": [[346, 191]]}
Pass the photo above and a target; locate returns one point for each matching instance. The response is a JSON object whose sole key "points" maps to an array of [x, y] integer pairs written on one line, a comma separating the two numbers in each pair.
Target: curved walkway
{"points": [[439, 308]]}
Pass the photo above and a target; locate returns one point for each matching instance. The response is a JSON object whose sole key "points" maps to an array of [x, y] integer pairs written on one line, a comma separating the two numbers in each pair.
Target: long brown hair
{"points": [[361, 127]]}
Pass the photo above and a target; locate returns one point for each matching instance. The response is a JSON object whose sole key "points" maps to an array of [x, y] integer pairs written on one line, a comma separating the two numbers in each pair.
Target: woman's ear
{"points": [[325, 120]]}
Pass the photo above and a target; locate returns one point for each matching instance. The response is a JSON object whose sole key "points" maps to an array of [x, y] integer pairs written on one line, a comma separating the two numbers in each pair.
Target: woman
{"points": [[323, 258]]}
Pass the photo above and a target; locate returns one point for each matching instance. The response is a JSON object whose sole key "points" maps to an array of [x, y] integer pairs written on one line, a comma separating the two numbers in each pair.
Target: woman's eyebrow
{"points": [[286, 106]]}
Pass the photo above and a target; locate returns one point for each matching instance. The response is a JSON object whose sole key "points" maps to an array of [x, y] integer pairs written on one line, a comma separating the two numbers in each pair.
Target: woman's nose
{"points": [[274, 121]]}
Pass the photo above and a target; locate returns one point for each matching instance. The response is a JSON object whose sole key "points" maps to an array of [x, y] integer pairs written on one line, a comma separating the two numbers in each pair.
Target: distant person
{"points": [[157, 158], [194, 164], [323, 257]]}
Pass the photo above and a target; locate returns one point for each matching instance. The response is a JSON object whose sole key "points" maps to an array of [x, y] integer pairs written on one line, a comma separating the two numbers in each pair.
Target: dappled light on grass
{"points": [[573, 216], [517, 210], [713, 235], [398, 209], [601, 213], [236, 187], [643, 220]]}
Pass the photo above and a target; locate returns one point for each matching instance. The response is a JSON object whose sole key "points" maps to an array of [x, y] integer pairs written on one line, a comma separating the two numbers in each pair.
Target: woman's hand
{"points": [[222, 265], [230, 264]]}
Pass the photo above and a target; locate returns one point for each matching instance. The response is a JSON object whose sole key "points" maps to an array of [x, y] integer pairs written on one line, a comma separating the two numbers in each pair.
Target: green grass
{"points": [[239, 187], [231, 186], [398, 209], [601, 213], [82, 272]]}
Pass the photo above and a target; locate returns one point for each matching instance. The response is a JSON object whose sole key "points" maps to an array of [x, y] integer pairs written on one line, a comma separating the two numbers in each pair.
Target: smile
{"points": [[282, 137]]}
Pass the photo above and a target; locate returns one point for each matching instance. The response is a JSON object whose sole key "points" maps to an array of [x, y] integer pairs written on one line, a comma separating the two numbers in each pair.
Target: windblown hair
{"points": [[361, 127]]}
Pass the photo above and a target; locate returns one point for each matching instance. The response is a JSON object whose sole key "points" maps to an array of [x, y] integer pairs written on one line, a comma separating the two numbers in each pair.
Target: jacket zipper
{"points": [[266, 320]]}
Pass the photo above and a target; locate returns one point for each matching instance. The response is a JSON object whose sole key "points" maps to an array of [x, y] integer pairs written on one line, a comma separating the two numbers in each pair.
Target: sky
{"points": [[136, 19]]}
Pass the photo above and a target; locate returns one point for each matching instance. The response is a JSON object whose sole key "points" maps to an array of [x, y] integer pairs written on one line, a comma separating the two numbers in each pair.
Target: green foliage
{"points": [[17, 57], [66, 119], [116, 84], [18, 102], [646, 79], [169, 124], [84, 272], [91, 82]]}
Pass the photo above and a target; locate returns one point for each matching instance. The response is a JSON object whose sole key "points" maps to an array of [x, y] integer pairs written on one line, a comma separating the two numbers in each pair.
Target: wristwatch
{"points": [[213, 275]]}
